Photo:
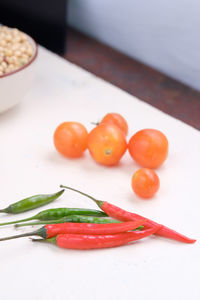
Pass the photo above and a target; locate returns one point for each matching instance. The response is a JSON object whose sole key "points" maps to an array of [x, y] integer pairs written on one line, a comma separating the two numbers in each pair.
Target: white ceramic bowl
{"points": [[15, 85]]}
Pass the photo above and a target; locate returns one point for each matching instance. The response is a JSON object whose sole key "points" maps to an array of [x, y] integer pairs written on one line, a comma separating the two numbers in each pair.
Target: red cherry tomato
{"points": [[117, 120], [106, 144], [149, 148], [70, 139], [145, 183]]}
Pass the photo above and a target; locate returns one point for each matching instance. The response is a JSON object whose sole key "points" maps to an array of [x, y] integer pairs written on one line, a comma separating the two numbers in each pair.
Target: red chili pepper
{"points": [[87, 228], [86, 242], [123, 215], [52, 230]]}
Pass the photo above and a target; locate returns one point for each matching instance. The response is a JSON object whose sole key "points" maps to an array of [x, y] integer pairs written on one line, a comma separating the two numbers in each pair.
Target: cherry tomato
{"points": [[145, 183], [116, 119], [149, 148], [107, 144], [70, 139]]}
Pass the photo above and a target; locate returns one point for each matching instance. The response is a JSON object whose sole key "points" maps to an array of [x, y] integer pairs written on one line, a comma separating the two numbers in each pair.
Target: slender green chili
{"points": [[73, 219], [31, 203], [58, 213]]}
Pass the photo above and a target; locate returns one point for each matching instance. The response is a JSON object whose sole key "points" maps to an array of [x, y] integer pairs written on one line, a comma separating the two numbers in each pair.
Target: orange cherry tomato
{"points": [[70, 139], [116, 119], [145, 183], [106, 144], [149, 148]]}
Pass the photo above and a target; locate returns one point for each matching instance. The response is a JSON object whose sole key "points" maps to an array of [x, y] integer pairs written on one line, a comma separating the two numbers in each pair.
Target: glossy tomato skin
{"points": [[106, 144], [117, 120], [70, 139], [149, 148], [145, 183]]}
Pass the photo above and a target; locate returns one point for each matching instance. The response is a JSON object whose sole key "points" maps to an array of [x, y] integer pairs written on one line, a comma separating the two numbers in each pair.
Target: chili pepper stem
{"points": [[98, 202], [18, 236], [6, 210], [40, 232], [38, 223], [50, 240], [33, 223], [19, 221]]}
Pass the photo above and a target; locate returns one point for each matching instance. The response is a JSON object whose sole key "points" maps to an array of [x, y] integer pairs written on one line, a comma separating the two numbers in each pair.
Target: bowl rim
{"points": [[28, 63]]}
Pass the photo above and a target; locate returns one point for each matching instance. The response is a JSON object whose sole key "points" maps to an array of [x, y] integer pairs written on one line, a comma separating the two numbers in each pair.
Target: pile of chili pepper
{"points": [[80, 228]]}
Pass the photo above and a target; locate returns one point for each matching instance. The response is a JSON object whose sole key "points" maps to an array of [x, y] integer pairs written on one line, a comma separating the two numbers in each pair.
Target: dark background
{"points": [[44, 20]]}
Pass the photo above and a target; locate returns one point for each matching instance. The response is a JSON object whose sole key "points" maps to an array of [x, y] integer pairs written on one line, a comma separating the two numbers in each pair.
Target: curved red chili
{"points": [[123, 215], [86, 242]]}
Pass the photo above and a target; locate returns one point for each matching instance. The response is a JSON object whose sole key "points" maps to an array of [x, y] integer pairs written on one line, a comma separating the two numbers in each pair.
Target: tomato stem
{"points": [[98, 202], [108, 151]]}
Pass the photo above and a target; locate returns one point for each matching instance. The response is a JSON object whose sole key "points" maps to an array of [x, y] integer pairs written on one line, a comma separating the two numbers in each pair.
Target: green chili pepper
{"points": [[58, 213], [31, 203], [73, 219]]}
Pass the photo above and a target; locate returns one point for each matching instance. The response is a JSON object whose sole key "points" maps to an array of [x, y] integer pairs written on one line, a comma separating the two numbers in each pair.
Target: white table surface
{"points": [[154, 268]]}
